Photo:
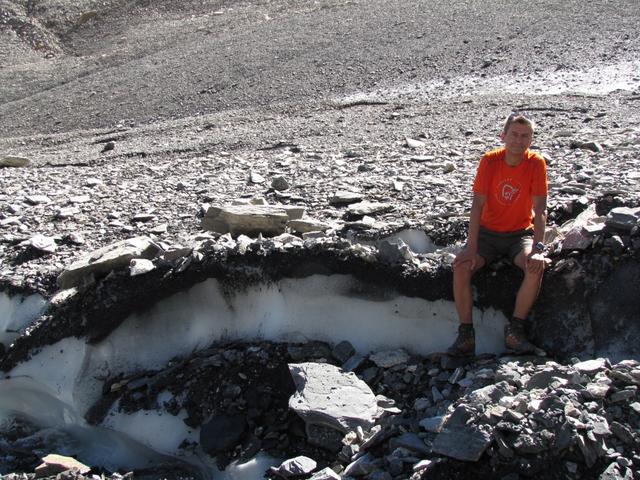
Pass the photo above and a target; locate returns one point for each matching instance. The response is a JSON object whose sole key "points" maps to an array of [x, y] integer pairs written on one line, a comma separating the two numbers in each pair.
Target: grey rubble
{"points": [[523, 416]]}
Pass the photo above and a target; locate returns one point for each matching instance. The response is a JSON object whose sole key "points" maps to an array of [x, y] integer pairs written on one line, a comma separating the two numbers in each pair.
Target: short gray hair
{"points": [[518, 117]]}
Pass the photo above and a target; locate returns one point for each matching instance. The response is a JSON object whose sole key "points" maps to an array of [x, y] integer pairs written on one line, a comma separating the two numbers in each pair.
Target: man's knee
{"points": [[462, 272]]}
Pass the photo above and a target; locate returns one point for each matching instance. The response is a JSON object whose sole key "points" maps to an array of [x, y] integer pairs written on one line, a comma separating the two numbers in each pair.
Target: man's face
{"points": [[518, 138]]}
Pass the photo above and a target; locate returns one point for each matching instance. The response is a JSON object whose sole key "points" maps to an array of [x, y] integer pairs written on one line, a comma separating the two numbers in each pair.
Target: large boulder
{"points": [[328, 396], [112, 257], [250, 220]]}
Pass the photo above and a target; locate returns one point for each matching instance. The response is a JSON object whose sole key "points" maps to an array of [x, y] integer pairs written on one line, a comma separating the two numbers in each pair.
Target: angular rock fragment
{"points": [[112, 257], [54, 464], [42, 243], [280, 183], [369, 208], [221, 432], [345, 198], [140, 266], [249, 220], [591, 367], [15, 162], [37, 199], [623, 218], [389, 358], [308, 225], [466, 443], [328, 396], [325, 474], [295, 467], [362, 466]]}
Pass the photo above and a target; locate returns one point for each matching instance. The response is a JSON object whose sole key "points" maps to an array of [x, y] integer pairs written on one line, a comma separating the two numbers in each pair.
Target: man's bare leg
{"points": [[462, 294], [515, 337], [529, 289], [465, 343]]}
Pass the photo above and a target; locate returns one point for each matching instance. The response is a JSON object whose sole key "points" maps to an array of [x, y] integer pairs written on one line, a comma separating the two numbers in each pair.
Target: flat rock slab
{"points": [[369, 208], [112, 257], [295, 467], [250, 220], [328, 396], [466, 443], [389, 358], [623, 218], [14, 162], [54, 464]]}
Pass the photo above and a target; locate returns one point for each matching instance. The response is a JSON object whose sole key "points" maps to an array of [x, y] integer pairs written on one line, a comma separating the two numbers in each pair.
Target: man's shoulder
{"points": [[494, 155], [535, 157]]}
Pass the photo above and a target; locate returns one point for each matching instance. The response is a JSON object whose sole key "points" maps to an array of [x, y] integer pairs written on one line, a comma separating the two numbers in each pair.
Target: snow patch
{"points": [[59, 383], [16, 313]]}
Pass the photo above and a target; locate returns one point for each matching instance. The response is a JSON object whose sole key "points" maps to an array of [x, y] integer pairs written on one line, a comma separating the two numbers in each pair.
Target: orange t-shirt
{"points": [[509, 190]]}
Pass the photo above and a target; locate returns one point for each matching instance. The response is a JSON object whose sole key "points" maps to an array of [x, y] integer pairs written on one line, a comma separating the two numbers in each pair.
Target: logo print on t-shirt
{"points": [[508, 191]]}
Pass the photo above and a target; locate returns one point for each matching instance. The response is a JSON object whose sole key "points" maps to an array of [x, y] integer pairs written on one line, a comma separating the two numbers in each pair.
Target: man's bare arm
{"points": [[470, 252], [539, 218]]}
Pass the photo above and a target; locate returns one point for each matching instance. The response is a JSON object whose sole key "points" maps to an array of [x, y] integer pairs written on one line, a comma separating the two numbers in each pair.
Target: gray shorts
{"points": [[493, 245]]}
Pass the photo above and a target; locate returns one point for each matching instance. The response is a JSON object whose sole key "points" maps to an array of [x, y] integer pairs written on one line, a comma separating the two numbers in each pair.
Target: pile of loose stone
{"points": [[58, 208], [390, 415]]}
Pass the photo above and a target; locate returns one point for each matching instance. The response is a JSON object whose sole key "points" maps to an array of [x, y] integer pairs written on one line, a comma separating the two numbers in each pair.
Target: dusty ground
{"points": [[196, 97]]}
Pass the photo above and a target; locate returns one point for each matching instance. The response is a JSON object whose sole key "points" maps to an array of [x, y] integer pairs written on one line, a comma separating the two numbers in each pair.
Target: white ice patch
{"points": [[330, 308], [155, 429], [16, 313], [599, 80], [61, 381], [66, 431], [59, 369], [253, 469]]}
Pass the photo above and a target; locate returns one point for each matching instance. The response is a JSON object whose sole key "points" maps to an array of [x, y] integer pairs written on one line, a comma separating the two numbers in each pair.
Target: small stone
{"points": [[255, 177], [43, 243], [297, 466], [108, 147], [325, 474], [437, 396], [412, 143], [623, 218], [343, 351], [140, 266], [622, 396], [433, 424], [159, 229], [280, 183], [37, 199], [80, 199], [590, 367], [66, 212], [143, 217], [53, 464], [389, 358], [623, 433], [345, 198]]}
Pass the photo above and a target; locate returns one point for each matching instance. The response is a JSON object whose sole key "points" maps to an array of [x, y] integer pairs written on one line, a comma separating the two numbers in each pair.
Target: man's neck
{"points": [[513, 159]]}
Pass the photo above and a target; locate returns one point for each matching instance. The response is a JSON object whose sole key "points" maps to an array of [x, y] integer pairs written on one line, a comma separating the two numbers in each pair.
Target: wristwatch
{"points": [[539, 246]]}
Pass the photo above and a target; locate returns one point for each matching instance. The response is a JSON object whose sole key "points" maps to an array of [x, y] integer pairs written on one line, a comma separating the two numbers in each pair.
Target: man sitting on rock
{"points": [[508, 216]]}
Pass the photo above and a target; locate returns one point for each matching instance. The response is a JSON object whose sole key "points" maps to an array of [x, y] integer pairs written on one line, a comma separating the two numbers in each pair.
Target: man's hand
{"points": [[535, 262], [466, 255]]}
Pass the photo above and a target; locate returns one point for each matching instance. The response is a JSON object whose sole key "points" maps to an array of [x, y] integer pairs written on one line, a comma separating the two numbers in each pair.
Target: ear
{"points": [[502, 135]]}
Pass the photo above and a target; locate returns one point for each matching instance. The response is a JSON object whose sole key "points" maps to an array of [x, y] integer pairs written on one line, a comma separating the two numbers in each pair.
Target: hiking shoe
{"points": [[465, 344], [515, 339]]}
